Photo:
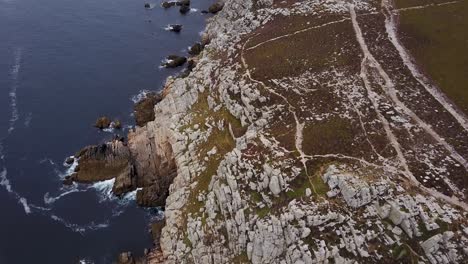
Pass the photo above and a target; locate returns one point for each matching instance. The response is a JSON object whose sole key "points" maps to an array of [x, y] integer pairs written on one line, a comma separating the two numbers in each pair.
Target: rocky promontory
{"points": [[304, 134]]}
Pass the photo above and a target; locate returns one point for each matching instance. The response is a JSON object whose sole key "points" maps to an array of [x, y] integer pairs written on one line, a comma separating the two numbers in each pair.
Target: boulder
{"points": [[102, 122], [147, 5]]}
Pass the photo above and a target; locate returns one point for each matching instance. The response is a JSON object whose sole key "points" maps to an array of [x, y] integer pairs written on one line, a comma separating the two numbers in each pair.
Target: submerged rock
{"points": [[144, 109], [174, 61], [102, 122]]}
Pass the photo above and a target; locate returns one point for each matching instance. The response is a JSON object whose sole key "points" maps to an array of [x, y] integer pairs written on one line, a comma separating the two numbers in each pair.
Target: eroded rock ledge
{"points": [[144, 162]]}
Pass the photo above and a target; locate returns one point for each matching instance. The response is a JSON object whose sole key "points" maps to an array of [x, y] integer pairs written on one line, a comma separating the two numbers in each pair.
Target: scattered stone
{"points": [[102, 122]]}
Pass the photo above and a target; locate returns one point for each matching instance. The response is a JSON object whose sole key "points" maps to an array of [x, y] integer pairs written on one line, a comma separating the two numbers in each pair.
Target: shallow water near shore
{"points": [[62, 65]]}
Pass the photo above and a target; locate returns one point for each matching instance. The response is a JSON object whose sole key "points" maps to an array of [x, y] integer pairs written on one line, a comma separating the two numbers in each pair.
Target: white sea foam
{"points": [[140, 96], [80, 228], [18, 54], [193, 10], [4, 180], [104, 189], [51, 200], [26, 207]]}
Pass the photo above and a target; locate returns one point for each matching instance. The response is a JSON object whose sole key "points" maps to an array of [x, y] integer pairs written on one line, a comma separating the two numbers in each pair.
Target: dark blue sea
{"points": [[63, 64]]}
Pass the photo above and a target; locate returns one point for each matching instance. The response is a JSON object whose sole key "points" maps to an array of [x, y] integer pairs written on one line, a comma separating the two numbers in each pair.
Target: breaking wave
{"points": [[140, 96]]}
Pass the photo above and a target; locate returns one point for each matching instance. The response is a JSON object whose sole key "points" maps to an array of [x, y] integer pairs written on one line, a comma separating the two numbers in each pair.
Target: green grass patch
{"points": [[334, 135], [438, 37]]}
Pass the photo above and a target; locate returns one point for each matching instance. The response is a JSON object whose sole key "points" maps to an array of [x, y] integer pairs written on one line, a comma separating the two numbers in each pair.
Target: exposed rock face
{"points": [[293, 159], [154, 164], [195, 49], [174, 61], [216, 7], [144, 109], [103, 162]]}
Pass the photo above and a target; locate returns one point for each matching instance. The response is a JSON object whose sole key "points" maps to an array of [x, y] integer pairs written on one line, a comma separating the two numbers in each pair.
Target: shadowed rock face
{"points": [[154, 165], [144, 109], [102, 162], [145, 162]]}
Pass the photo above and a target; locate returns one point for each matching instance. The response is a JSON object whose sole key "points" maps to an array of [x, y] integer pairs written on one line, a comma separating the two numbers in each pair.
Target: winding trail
{"points": [[371, 65], [391, 28], [298, 138], [296, 32]]}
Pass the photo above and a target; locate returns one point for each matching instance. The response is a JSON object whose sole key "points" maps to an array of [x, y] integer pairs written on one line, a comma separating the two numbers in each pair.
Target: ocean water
{"points": [[64, 63]]}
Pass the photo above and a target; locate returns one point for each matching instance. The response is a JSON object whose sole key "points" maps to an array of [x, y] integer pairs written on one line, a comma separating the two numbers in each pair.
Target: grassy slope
{"points": [[438, 39]]}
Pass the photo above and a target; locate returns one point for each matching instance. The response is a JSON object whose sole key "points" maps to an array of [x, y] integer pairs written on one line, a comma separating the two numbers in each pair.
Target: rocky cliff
{"points": [[306, 134]]}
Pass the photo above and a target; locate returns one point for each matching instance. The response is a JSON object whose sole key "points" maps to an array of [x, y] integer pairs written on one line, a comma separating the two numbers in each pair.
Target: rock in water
{"points": [[147, 5], [174, 61], [184, 9], [216, 7], [195, 49], [184, 3], [102, 162], [69, 160], [168, 4], [175, 28], [116, 124], [102, 122], [144, 109]]}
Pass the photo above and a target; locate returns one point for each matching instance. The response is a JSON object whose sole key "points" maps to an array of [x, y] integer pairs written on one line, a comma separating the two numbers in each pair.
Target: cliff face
{"points": [[304, 135]]}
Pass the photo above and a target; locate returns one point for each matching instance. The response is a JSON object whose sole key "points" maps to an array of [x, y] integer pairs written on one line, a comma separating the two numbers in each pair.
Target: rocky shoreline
{"points": [[253, 167]]}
